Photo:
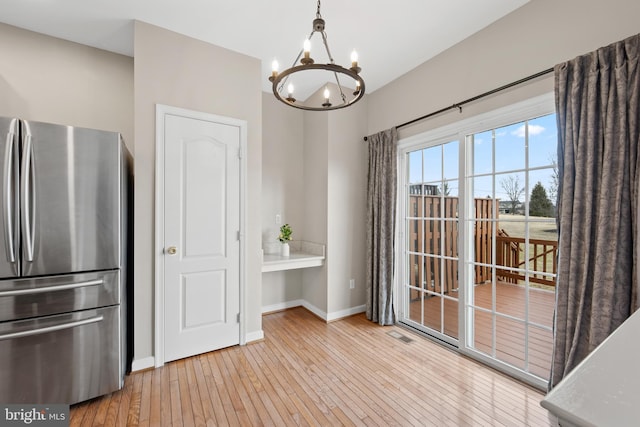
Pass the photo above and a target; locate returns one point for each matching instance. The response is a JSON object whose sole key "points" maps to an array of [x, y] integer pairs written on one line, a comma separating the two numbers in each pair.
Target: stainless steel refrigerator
{"points": [[63, 262]]}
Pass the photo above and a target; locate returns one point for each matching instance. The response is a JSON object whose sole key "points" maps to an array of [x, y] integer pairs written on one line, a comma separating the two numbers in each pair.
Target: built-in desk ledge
{"points": [[302, 255]]}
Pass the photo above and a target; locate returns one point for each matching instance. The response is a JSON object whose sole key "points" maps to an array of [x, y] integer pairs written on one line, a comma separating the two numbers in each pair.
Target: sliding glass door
{"points": [[478, 244]]}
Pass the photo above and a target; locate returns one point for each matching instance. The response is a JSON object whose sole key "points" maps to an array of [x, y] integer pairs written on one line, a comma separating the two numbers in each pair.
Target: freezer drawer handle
{"points": [[51, 288], [51, 328]]}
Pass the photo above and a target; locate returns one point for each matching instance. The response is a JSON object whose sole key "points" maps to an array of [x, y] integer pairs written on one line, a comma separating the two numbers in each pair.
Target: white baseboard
{"points": [[315, 310], [254, 336], [144, 363], [281, 306], [327, 317], [346, 313], [149, 362]]}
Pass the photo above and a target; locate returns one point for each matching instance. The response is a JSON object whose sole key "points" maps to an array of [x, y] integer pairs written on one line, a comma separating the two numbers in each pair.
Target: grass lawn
{"points": [[539, 227]]}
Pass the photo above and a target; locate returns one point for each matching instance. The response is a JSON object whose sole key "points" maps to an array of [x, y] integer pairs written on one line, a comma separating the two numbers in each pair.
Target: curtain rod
{"points": [[459, 105]]}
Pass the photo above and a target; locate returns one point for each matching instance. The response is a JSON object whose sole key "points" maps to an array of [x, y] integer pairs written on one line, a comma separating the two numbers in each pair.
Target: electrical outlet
{"points": [[352, 284], [278, 219]]}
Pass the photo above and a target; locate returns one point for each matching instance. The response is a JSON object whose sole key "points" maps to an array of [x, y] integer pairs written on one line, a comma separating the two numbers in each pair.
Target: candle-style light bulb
{"points": [[274, 70], [326, 103], [306, 48], [290, 97], [354, 62]]}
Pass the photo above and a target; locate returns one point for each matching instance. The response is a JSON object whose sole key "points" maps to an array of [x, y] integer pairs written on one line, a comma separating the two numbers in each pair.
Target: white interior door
{"points": [[201, 236]]}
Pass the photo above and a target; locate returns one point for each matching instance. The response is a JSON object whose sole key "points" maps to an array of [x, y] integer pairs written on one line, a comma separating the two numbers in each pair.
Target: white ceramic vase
{"points": [[284, 250]]}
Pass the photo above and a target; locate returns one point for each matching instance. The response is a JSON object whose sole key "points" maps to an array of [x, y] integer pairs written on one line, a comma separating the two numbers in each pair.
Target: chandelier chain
{"points": [[318, 11]]}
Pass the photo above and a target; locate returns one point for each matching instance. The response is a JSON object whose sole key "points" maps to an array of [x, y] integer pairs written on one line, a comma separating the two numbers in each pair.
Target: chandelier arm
{"points": [[342, 95], [326, 46]]}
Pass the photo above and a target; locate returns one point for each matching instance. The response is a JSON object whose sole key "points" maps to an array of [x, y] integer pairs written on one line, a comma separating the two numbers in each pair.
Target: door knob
{"points": [[172, 250]]}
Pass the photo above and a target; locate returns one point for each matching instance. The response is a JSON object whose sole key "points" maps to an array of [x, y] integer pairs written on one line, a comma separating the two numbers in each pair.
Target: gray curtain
{"points": [[598, 108], [381, 216]]}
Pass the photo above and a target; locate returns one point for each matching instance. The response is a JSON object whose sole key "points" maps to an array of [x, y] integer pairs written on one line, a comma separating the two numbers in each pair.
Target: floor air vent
{"points": [[399, 336]]}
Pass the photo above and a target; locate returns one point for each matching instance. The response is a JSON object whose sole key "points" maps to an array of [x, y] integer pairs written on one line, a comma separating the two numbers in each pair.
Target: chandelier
{"points": [[279, 80]]}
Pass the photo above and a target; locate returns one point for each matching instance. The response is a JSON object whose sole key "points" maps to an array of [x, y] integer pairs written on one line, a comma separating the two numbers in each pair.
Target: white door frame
{"points": [[161, 112]]}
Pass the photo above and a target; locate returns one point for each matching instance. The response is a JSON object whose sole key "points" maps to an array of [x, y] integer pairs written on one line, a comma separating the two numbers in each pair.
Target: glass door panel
{"points": [[513, 246], [430, 291]]}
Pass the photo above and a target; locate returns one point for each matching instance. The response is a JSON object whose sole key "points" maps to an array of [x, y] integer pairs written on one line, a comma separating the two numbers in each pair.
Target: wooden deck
{"points": [[510, 346], [309, 373]]}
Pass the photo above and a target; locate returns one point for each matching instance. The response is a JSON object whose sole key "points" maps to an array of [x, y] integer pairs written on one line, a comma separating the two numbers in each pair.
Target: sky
{"points": [[507, 145]]}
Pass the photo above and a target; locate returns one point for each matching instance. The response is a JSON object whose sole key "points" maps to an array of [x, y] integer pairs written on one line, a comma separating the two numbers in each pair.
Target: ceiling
{"points": [[391, 37]]}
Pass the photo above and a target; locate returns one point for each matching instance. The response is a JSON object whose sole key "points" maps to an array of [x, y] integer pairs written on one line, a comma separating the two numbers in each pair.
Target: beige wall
{"points": [[346, 211], [531, 39], [327, 201], [175, 70], [282, 193], [315, 159], [51, 80]]}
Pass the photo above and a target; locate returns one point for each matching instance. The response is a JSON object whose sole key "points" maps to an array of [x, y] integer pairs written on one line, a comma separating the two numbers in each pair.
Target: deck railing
{"points": [[434, 222], [543, 258]]}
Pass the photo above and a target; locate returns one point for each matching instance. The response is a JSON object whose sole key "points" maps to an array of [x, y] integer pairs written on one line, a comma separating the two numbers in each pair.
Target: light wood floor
{"points": [[308, 372]]}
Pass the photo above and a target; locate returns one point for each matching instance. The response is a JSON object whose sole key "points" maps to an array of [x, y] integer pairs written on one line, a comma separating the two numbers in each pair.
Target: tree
{"points": [[511, 186], [445, 189], [539, 204]]}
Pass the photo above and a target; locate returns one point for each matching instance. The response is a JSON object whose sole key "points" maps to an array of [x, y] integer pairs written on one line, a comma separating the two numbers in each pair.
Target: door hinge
{"points": [[238, 235], [239, 153], [238, 318]]}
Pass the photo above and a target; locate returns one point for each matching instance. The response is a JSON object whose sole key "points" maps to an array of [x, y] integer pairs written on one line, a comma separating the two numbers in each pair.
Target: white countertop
{"points": [[603, 390], [303, 255]]}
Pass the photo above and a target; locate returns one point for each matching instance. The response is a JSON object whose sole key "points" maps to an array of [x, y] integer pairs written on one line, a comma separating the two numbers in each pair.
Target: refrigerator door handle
{"points": [[9, 196], [47, 329], [51, 288], [28, 196]]}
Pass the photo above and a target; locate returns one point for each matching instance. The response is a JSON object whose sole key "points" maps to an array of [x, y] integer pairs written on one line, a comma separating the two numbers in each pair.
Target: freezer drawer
{"points": [[65, 358], [25, 298]]}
